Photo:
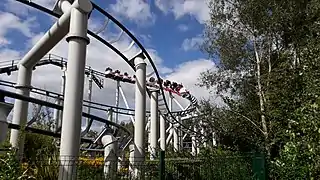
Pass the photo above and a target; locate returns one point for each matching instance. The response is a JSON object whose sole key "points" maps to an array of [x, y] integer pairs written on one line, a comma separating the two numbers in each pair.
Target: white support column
{"points": [[162, 133], [20, 110], [140, 116], [175, 139], [57, 114], [169, 138], [203, 132], [89, 93], [198, 140], [154, 120], [117, 101], [52, 37], [126, 103], [72, 113], [87, 126], [109, 143], [63, 85], [148, 130], [194, 142], [170, 109], [132, 168], [176, 136]]}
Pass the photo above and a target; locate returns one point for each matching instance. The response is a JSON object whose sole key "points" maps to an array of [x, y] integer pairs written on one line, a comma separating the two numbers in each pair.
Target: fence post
{"points": [[162, 165], [259, 166]]}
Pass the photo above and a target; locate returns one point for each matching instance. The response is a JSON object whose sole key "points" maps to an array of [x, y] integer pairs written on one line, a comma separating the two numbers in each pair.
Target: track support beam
{"points": [[140, 117], [154, 121], [71, 125]]}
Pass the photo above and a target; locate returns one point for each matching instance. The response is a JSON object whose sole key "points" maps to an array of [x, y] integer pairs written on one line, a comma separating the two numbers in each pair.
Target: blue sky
{"points": [[166, 34]]}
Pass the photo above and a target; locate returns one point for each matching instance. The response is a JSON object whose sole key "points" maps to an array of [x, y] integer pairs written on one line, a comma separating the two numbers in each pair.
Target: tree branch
{"points": [[248, 119]]}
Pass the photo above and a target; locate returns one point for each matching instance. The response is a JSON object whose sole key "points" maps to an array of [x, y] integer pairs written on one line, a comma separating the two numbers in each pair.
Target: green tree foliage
{"points": [[268, 78]]}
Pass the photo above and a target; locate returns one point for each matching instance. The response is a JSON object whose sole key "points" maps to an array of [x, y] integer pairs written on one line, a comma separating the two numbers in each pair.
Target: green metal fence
{"points": [[245, 167]]}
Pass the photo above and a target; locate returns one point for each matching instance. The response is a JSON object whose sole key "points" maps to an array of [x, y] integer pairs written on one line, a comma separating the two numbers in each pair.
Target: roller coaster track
{"points": [[59, 107], [130, 63], [10, 66]]}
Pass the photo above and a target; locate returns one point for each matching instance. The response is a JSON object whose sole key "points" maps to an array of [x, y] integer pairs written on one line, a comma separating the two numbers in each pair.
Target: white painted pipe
{"points": [[56, 114], [52, 37], [55, 33], [154, 120], [175, 139], [126, 103], [194, 143], [72, 112], [132, 161], [117, 101], [170, 109], [109, 143], [162, 133], [169, 128], [140, 115], [20, 109], [169, 137]]}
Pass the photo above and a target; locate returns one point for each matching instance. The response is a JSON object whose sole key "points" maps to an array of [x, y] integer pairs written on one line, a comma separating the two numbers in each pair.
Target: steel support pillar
{"points": [[175, 139], [148, 130], [42, 47], [170, 109], [162, 133], [203, 139], [52, 37], [63, 87], [126, 102], [169, 138], [176, 136], [20, 110], [154, 124], [109, 143], [57, 114], [88, 123], [89, 94], [140, 116], [132, 168], [71, 126], [117, 101], [194, 142]]}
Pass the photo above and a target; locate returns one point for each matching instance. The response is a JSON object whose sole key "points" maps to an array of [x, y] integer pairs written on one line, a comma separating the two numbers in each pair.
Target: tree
{"points": [[268, 76]]}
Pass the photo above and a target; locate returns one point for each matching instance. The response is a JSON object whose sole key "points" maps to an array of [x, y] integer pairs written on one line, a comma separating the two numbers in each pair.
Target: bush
{"points": [[10, 168]]}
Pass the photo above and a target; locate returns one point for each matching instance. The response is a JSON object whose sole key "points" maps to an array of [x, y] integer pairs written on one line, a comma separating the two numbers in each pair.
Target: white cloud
{"points": [[99, 57], [135, 10], [9, 21], [183, 27], [196, 8], [188, 73], [9, 54], [22, 9], [192, 43]]}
